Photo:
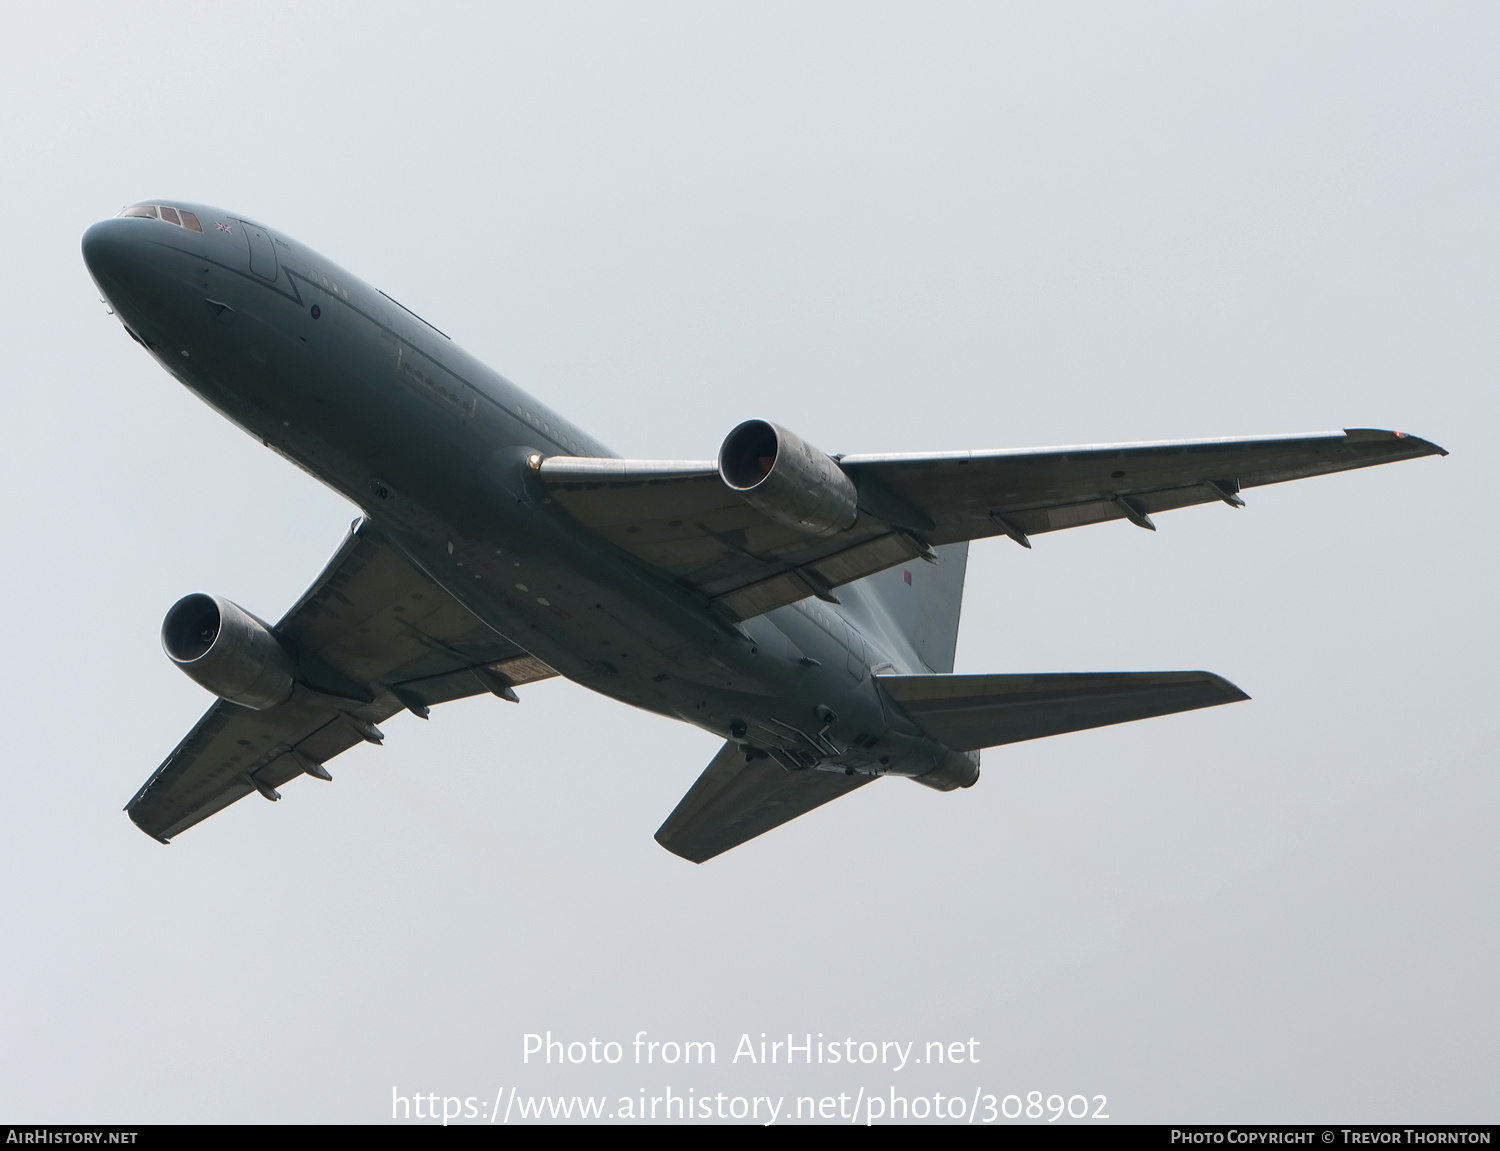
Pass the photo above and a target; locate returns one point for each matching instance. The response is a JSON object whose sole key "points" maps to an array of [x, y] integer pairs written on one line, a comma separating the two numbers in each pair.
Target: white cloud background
{"points": [[890, 228]]}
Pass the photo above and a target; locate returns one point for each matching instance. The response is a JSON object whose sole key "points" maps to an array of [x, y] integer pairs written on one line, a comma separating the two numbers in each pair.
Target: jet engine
{"points": [[956, 769], [787, 479], [227, 650]]}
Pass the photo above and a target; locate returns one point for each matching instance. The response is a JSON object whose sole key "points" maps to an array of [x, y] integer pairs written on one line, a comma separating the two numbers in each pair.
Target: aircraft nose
{"points": [[107, 249]]}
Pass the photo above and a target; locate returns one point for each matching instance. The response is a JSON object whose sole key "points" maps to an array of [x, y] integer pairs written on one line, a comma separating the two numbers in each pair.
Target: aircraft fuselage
{"points": [[434, 447]]}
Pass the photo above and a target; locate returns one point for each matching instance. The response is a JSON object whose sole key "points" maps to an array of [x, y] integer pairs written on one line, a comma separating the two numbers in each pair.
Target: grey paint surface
{"points": [[1094, 229], [689, 591]]}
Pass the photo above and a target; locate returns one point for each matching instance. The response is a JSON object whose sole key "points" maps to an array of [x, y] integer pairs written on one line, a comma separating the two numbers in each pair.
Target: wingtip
{"points": [[1416, 444], [678, 851], [1232, 692], [142, 828]]}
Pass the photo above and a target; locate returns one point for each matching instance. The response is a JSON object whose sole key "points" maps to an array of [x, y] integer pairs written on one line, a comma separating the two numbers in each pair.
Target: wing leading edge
{"points": [[371, 637]]}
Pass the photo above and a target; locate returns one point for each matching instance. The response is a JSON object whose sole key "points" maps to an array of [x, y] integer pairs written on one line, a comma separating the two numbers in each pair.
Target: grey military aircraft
{"points": [[803, 607]]}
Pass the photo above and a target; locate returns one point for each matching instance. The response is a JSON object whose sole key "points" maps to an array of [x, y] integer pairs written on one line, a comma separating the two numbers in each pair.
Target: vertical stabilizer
{"points": [[923, 601]]}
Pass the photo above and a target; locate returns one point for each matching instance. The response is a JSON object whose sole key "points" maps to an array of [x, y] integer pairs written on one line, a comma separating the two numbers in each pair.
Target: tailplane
{"points": [[739, 797], [968, 712], [742, 793]]}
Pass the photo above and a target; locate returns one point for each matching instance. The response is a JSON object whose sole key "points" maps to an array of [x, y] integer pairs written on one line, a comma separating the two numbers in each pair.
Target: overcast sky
{"points": [[889, 228]]}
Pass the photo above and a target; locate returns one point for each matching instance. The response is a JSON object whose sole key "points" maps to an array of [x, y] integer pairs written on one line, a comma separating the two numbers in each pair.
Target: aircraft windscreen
{"points": [[181, 217]]}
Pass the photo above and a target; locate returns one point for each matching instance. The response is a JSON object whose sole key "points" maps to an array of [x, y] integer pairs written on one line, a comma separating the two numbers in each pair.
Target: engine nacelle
{"points": [[786, 478], [229, 651], [956, 769]]}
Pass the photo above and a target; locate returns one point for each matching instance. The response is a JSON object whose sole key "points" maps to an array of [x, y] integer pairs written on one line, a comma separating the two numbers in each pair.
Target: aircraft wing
{"points": [[682, 519], [736, 799], [371, 636], [970, 495]]}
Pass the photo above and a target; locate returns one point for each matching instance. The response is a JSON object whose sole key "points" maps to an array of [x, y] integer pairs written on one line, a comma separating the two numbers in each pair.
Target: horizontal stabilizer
{"points": [[736, 799], [967, 712]]}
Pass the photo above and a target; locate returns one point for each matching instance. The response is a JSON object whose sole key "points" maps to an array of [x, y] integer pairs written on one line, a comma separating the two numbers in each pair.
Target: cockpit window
{"points": [[182, 218]]}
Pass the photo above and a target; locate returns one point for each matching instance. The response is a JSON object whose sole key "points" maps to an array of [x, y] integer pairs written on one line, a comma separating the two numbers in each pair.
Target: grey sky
{"points": [[888, 228]]}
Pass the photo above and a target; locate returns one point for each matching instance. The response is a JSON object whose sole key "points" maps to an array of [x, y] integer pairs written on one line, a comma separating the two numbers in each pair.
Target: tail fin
{"points": [[924, 600], [967, 712]]}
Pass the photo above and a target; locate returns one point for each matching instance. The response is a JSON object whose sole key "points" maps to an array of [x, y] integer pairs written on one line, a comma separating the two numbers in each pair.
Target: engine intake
{"points": [[227, 650], [786, 478]]}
